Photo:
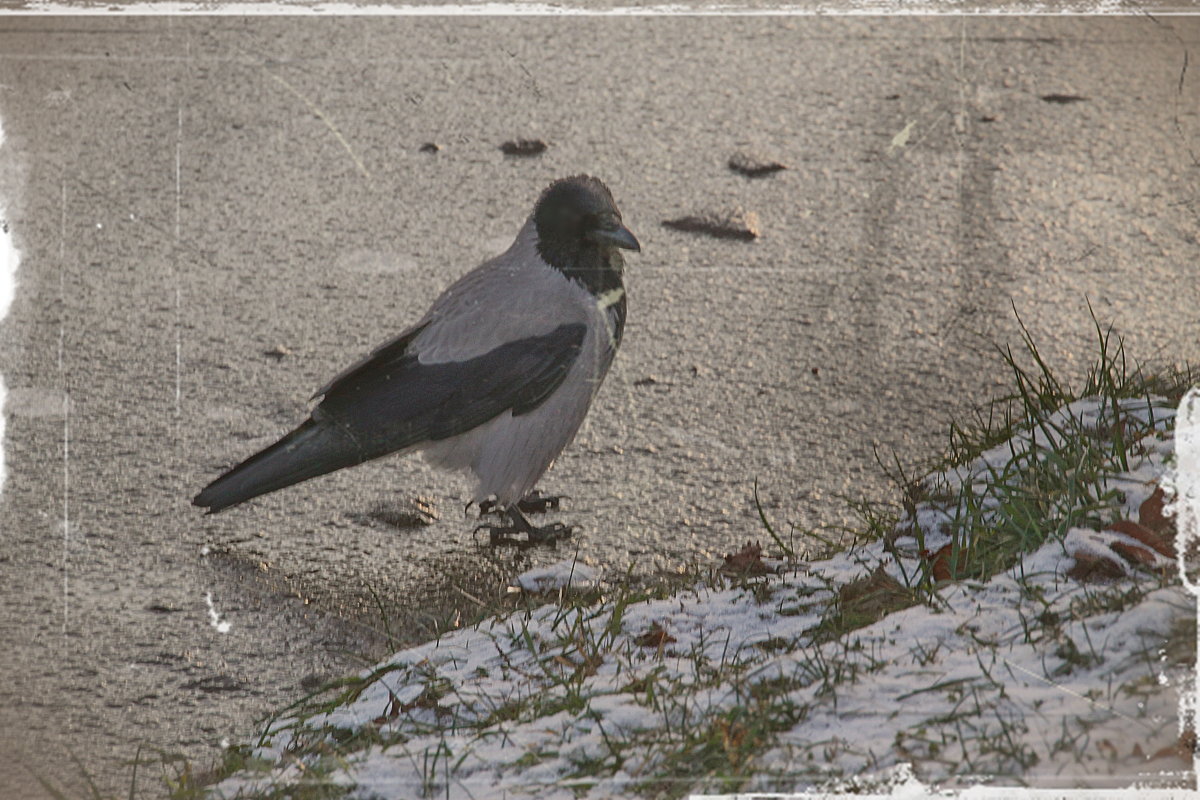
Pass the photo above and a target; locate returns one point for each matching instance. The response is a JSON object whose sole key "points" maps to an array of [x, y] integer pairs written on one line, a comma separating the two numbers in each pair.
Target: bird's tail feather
{"points": [[310, 450]]}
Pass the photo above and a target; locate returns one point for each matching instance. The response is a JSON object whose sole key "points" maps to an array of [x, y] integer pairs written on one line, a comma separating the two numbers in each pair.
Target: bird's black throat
{"points": [[597, 268]]}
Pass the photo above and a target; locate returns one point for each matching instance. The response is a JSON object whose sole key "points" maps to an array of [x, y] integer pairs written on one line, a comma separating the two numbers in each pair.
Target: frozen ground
{"points": [[1045, 674]]}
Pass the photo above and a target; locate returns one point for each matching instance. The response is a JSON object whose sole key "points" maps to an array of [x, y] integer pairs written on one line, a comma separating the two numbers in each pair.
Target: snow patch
{"points": [[565, 574]]}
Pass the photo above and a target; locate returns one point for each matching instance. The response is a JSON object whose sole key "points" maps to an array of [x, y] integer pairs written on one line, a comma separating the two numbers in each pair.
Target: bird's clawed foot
{"points": [[545, 536], [535, 536], [533, 503]]}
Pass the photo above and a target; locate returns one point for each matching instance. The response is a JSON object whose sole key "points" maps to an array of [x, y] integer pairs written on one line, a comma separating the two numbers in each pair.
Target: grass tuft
{"points": [[1030, 466]]}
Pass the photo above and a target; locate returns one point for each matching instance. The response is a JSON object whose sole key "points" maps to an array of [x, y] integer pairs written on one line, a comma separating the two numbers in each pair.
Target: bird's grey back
{"points": [[510, 297]]}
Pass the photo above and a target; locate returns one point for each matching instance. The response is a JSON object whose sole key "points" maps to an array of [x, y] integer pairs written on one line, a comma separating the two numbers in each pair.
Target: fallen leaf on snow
{"points": [[1143, 535], [1091, 568], [1150, 513], [1184, 748], [655, 637], [1133, 554], [942, 568]]}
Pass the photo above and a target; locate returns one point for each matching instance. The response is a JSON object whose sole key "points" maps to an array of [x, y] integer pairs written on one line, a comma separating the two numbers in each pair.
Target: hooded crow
{"points": [[495, 379]]}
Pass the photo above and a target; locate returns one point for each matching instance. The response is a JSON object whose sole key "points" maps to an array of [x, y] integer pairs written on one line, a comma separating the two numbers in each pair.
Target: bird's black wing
{"points": [[391, 400]]}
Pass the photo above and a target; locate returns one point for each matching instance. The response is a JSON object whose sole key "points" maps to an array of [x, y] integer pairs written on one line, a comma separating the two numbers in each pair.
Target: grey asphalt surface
{"points": [[190, 193]]}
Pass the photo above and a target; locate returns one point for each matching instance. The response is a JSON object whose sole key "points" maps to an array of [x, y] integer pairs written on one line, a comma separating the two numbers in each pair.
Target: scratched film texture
{"points": [[216, 214]]}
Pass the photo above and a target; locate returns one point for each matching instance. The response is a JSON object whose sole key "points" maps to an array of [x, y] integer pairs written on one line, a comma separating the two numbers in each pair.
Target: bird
{"points": [[494, 380]]}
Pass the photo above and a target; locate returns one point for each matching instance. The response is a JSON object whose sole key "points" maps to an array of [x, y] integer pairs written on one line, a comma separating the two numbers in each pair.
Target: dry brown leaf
{"points": [[736, 223], [1184, 748], [941, 567], [655, 637], [1143, 535], [753, 167], [524, 147], [747, 561], [1133, 554], [1063, 99], [1092, 568], [1150, 513]]}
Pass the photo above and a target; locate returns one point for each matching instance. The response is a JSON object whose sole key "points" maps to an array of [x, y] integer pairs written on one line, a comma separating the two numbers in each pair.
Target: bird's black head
{"points": [[580, 232]]}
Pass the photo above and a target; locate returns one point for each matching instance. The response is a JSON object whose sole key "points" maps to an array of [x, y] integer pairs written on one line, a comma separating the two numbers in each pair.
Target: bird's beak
{"points": [[616, 235]]}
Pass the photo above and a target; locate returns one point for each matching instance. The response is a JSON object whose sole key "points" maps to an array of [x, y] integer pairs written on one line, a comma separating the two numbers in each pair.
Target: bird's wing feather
{"points": [[392, 401], [391, 351]]}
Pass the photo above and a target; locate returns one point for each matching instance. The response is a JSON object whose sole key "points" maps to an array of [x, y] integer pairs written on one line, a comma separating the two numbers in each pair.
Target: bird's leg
{"points": [[533, 503], [545, 534], [537, 503], [534, 535]]}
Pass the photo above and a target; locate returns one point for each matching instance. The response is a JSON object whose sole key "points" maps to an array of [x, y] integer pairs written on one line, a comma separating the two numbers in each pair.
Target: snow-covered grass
{"points": [[1017, 618]]}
